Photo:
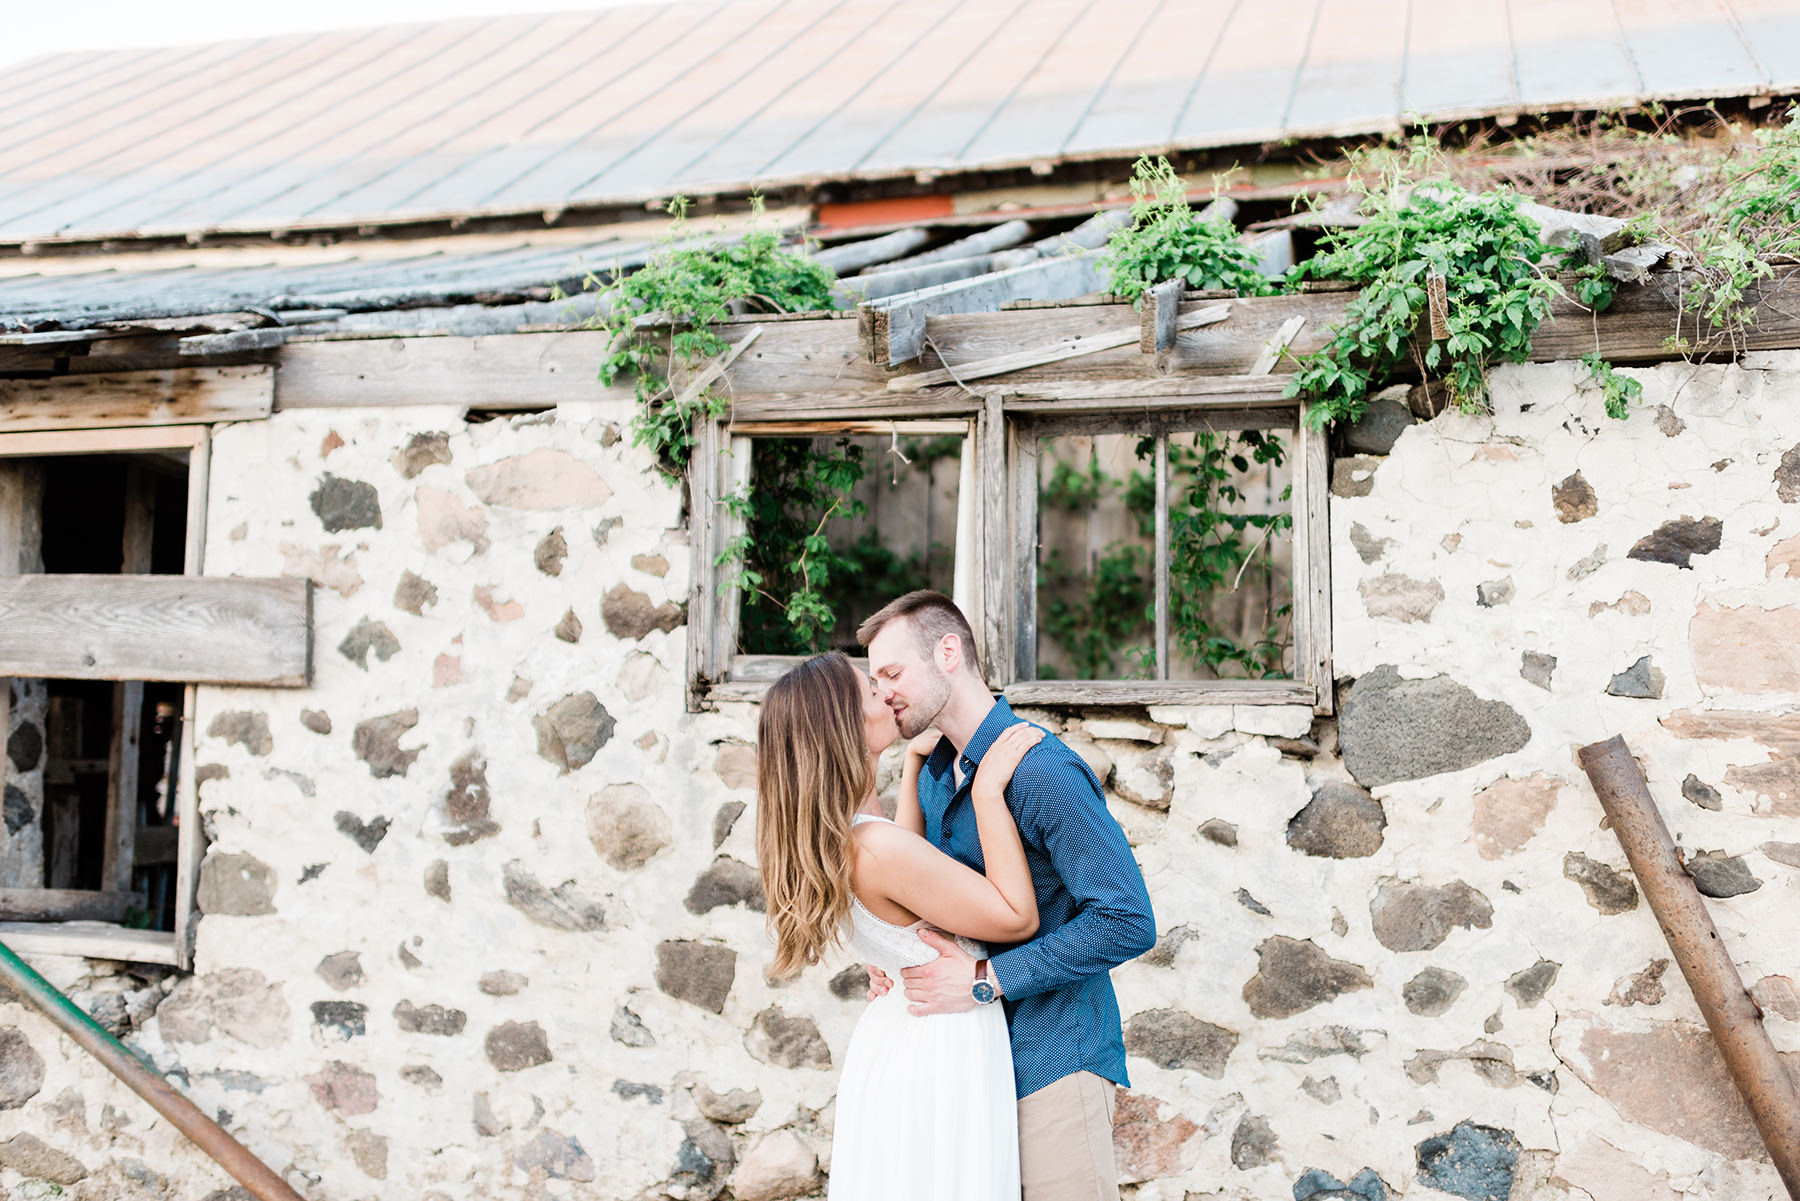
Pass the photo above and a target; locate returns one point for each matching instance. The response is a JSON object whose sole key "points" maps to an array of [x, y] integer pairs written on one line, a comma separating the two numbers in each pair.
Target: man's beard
{"points": [[922, 714]]}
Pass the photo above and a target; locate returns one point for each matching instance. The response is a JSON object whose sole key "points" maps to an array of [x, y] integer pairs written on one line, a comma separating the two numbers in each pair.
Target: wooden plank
{"points": [[1232, 391], [703, 498], [1059, 424], [125, 751], [1312, 564], [90, 940], [854, 256], [63, 905], [213, 630], [1272, 349], [900, 321], [237, 342], [505, 371], [103, 441], [21, 541], [1157, 313], [1022, 461], [691, 390], [1019, 360], [878, 406], [176, 396], [736, 469], [775, 429], [1160, 692], [192, 847], [766, 669], [995, 624], [1162, 554], [860, 289], [977, 245]]}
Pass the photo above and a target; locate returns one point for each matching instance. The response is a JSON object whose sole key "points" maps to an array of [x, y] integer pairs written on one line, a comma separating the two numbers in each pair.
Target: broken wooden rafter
{"points": [[977, 245], [1040, 356], [1157, 311], [1274, 348], [854, 256]]}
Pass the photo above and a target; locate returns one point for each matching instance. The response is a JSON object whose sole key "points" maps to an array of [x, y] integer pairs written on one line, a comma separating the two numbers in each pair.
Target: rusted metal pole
{"points": [[144, 1080], [1734, 1018]]}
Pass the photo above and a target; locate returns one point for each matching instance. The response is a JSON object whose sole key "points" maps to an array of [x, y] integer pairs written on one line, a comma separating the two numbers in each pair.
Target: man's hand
{"points": [[879, 983], [941, 986]]}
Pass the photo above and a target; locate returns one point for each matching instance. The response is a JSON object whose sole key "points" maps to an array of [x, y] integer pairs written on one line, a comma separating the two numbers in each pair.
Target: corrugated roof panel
{"points": [[1251, 75], [938, 132], [748, 80], [1353, 67], [573, 145], [1459, 58], [1043, 111], [637, 103], [1771, 28], [1148, 93], [1570, 53], [926, 62]]}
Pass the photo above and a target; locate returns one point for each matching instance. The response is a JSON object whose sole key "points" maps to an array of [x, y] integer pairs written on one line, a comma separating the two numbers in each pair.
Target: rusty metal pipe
{"points": [[144, 1080], [1734, 1018]]}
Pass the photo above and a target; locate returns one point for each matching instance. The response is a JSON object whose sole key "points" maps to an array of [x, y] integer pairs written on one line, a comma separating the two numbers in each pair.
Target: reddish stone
{"points": [[1148, 1147], [347, 1089], [1746, 649], [543, 479]]}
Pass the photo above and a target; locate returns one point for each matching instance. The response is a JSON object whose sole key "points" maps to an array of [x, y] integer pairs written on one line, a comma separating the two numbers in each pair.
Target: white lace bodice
{"points": [[890, 947]]}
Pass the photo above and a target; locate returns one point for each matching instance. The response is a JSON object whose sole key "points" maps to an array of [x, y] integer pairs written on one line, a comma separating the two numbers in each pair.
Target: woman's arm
{"points": [[907, 814], [998, 907]]}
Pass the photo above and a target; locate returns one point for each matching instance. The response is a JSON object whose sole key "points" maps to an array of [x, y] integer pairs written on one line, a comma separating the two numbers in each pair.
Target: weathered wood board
{"points": [[203, 629], [174, 396]]}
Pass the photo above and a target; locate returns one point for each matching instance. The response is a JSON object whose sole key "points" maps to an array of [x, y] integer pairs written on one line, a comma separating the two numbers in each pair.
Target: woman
{"points": [[925, 1105]]}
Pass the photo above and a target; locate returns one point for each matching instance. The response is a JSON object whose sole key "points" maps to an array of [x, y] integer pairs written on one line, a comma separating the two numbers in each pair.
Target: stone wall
{"points": [[481, 921]]}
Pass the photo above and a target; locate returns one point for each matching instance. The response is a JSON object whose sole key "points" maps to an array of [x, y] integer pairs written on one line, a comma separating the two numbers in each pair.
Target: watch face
{"points": [[983, 992]]}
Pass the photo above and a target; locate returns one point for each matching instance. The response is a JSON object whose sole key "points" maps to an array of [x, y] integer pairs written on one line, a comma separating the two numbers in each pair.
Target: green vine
{"points": [[1486, 254], [1103, 618], [1168, 240], [685, 290]]}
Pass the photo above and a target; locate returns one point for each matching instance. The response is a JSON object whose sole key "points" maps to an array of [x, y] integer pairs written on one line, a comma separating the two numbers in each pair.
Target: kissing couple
{"points": [[990, 910]]}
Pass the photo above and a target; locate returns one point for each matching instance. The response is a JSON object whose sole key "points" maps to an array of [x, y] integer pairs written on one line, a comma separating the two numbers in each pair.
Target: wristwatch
{"points": [[983, 989]]}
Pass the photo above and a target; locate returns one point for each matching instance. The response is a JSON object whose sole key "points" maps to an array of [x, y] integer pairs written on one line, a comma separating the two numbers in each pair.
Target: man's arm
{"points": [[1059, 805]]}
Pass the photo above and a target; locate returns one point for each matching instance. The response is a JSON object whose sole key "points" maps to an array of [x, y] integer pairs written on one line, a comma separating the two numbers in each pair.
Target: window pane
{"points": [[837, 527], [1096, 581], [1230, 556]]}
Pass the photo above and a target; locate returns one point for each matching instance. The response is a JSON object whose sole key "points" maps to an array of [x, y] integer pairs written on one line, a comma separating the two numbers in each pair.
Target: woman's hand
{"points": [[924, 744], [1003, 758]]}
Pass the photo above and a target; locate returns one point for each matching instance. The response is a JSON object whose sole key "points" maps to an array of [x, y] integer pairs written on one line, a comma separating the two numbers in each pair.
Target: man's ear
{"points": [[949, 654]]}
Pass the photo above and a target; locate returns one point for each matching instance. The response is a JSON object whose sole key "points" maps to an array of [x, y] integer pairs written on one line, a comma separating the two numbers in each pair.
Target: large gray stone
{"points": [[731, 1108], [249, 729], [21, 1069], [1418, 917], [1536, 667], [572, 731], [340, 1021], [342, 970], [429, 1019], [1392, 729], [558, 1156], [25, 746], [1701, 793], [239, 885], [1168, 946], [1432, 991], [626, 826], [629, 614], [1529, 985], [727, 882], [1608, 890], [34, 1159], [566, 907], [1380, 426], [365, 834], [1353, 475], [342, 504], [703, 1162], [1341, 821], [377, 743], [1643, 680], [414, 594], [724, 820], [515, 1046], [1294, 975], [1717, 874], [629, 1030], [16, 809], [1472, 1161], [787, 1041], [1678, 541], [1170, 1038], [368, 636], [1252, 1143], [700, 973]]}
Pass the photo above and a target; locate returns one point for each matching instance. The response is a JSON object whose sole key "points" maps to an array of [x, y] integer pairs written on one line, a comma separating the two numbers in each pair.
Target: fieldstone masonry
{"points": [[481, 918]]}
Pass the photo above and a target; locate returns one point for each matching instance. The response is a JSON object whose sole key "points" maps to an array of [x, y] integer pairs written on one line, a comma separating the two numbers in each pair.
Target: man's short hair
{"points": [[931, 615]]}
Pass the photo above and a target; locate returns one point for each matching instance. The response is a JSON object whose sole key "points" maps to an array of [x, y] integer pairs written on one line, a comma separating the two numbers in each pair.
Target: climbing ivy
{"points": [[1103, 618], [1168, 240], [1487, 255]]}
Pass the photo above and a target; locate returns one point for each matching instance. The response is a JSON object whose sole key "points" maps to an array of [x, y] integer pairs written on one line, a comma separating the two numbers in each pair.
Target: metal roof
{"points": [[634, 103]]}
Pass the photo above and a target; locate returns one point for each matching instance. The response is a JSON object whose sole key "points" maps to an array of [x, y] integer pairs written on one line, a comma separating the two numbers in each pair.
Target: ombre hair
{"points": [[812, 772]]}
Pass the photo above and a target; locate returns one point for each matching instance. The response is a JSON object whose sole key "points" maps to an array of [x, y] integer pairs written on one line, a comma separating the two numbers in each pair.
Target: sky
{"points": [[37, 29]]}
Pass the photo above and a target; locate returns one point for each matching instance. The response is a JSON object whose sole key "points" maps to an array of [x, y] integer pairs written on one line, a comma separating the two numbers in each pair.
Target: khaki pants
{"points": [[1065, 1141]]}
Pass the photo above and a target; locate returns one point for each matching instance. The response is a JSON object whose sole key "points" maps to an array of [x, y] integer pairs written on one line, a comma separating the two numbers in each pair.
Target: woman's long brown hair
{"points": [[812, 771]]}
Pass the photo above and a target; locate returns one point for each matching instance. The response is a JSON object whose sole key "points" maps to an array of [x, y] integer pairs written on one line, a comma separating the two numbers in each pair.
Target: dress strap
{"points": [[857, 819]]}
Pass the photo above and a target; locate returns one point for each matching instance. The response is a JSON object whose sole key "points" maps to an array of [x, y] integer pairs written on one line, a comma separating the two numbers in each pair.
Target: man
{"points": [[1094, 912]]}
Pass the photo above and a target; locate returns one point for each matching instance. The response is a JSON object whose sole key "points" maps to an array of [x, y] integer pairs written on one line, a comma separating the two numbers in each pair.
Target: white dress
{"points": [[926, 1109]]}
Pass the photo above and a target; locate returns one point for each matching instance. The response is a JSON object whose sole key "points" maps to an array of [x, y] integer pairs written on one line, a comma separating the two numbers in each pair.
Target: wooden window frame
{"points": [[996, 545], [1011, 629], [98, 940], [716, 671]]}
